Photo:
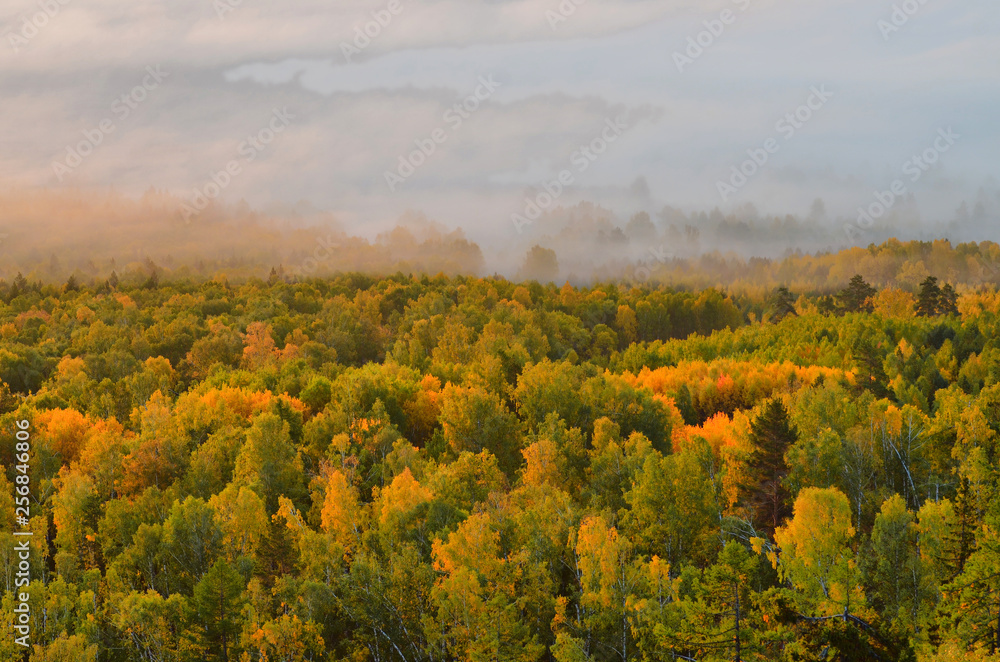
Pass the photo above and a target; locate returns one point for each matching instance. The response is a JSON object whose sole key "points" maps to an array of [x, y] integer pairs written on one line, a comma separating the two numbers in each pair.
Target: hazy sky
{"points": [[215, 73]]}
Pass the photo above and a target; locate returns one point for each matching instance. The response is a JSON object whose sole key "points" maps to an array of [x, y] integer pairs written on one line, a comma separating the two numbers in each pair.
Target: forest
{"points": [[428, 468]]}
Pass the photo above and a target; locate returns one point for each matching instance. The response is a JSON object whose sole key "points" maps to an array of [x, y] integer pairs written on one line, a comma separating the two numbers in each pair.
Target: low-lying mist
{"points": [[49, 236]]}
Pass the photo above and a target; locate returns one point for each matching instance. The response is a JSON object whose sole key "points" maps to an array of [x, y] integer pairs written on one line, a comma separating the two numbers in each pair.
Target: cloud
{"points": [[354, 121]]}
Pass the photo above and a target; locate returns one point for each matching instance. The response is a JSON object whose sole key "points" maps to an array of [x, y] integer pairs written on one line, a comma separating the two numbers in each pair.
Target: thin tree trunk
{"points": [[736, 590]]}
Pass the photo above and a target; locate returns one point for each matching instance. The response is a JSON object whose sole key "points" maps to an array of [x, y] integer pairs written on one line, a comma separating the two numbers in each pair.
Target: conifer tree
{"points": [[928, 302], [217, 603], [771, 434], [856, 297]]}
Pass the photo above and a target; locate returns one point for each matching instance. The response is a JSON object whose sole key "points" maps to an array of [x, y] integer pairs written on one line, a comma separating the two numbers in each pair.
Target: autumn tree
{"points": [[815, 553], [474, 420], [268, 462]]}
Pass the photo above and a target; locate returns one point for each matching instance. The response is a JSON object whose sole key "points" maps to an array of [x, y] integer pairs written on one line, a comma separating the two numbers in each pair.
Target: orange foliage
{"points": [[729, 439], [542, 463], [245, 403], [259, 349], [726, 384], [341, 514], [423, 409], [64, 431]]}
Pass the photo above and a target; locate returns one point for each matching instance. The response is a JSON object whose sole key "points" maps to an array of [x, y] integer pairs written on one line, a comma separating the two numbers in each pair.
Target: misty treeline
{"points": [[49, 236], [408, 469]]}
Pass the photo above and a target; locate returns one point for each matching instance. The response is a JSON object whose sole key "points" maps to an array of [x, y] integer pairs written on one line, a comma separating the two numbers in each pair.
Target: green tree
{"points": [[771, 435], [215, 609], [856, 297], [475, 420], [897, 576], [948, 301], [972, 601], [268, 462], [929, 299], [782, 304], [815, 554]]}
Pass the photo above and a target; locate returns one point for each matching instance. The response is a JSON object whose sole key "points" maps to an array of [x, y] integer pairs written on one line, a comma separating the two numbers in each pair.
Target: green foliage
{"points": [[416, 469]]}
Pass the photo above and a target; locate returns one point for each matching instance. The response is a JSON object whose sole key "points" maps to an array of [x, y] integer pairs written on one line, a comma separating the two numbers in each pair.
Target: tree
{"points": [[608, 578], [628, 325], [672, 507], [191, 542], [928, 301], [897, 576], [720, 613], [972, 601], [216, 606], [856, 297], [771, 435], [948, 301], [540, 264], [288, 639], [815, 553], [782, 304], [474, 419], [268, 462], [242, 518]]}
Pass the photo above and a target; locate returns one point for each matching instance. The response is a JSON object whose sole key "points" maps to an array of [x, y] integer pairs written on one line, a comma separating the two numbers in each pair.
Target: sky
{"points": [[369, 109]]}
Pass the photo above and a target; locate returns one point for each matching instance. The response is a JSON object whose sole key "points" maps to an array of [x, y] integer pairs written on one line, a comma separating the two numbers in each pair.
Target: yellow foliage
{"points": [[541, 463], [341, 514], [892, 302], [403, 495]]}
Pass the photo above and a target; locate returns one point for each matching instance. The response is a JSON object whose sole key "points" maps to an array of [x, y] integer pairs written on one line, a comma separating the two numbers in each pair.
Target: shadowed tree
{"points": [[928, 302], [771, 434], [856, 297], [540, 264], [217, 604], [782, 304]]}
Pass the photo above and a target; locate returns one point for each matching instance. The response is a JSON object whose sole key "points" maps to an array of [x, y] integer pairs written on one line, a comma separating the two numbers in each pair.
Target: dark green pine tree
{"points": [[856, 297], [771, 434], [867, 357], [782, 304], [948, 302], [929, 300], [217, 605], [960, 544]]}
